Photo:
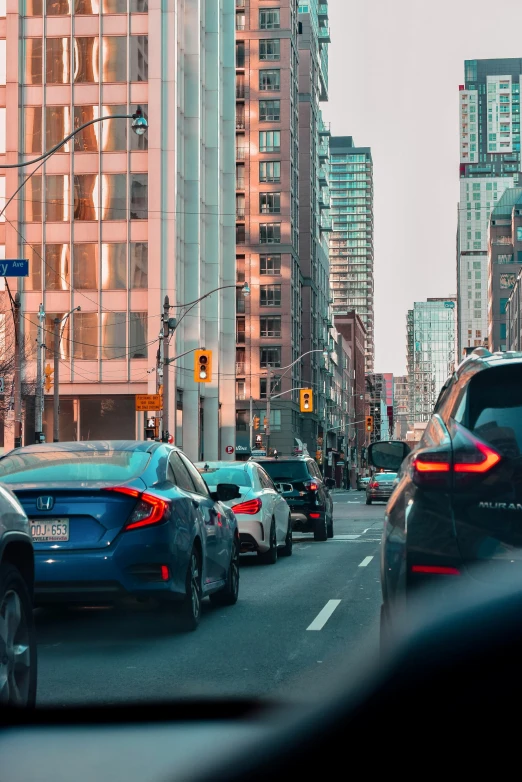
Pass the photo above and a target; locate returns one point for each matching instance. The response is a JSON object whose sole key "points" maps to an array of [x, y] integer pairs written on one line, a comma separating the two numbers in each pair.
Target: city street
{"points": [[294, 624]]}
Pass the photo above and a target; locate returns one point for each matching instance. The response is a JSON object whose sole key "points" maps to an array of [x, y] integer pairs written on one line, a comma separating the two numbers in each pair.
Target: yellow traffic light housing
{"points": [[306, 400], [369, 423], [203, 366], [48, 383], [256, 422]]}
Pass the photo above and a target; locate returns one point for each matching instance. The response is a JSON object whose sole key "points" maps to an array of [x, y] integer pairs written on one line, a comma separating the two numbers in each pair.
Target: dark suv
{"points": [[458, 500], [303, 488]]}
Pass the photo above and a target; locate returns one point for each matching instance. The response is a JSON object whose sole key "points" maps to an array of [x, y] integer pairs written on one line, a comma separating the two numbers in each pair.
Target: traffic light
{"points": [[47, 381], [369, 423], [152, 428], [256, 422], [203, 366], [306, 400]]}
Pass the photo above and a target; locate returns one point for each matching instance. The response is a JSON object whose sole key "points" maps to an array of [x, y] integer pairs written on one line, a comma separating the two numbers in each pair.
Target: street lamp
{"points": [[56, 396], [169, 326]]}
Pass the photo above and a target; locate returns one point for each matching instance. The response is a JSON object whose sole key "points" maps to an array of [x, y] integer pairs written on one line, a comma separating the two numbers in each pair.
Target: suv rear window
{"points": [[495, 408], [281, 471]]}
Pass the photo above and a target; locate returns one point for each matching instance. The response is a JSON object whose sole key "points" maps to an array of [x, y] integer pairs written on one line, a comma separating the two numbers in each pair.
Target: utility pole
{"points": [[165, 413], [325, 440], [268, 392], [17, 374], [56, 397], [251, 423], [39, 401]]}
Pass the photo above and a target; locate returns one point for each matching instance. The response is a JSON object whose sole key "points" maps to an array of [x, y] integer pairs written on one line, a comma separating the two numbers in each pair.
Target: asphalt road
{"points": [[294, 625]]}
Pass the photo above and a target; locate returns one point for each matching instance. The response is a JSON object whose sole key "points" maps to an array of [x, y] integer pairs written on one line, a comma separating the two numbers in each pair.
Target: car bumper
{"points": [[252, 536], [380, 496], [302, 522], [130, 567]]}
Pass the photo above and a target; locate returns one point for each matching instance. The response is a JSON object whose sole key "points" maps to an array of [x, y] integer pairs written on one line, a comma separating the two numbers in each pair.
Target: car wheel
{"points": [[190, 609], [321, 531], [17, 641], [330, 528], [270, 557], [368, 501], [287, 549], [229, 594]]}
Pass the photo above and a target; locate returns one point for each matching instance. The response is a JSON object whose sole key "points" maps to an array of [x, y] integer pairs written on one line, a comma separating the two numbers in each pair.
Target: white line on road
{"points": [[366, 561], [324, 615], [346, 537]]}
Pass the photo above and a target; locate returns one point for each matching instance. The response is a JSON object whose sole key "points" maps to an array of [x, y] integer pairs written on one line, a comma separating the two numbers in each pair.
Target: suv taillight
{"points": [[431, 468], [472, 457], [311, 485]]}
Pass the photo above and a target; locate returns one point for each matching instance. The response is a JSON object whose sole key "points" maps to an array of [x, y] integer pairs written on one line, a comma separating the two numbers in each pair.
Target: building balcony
{"points": [[322, 12], [240, 183], [240, 60], [241, 153], [324, 128], [240, 369], [240, 123], [240, 212], [325, 223], [324, 151], [240, 91], [324, 35], [324, 201], [240, 3], [323, 176]]}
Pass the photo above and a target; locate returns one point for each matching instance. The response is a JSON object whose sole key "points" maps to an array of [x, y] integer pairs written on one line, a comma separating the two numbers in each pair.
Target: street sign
{"points": [[146, 402], [229, 449], [257, 452], [14, 267]]}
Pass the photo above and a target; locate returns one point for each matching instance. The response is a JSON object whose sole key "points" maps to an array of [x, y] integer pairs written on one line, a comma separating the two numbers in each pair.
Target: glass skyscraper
{"points": [[431, 353], [351, 240]]}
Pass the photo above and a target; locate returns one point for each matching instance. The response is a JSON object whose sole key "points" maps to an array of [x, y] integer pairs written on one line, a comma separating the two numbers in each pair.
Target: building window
{"points": [[240, 389], [240, 54], [240, 234], [138, 347], [57, 197], [241, 420], [33, 199], [507, 258], [270, 203], [114, 335], [269, 49], [270, 264], [139, 57], [33, 60], [274, 387], [33, 130], [33, 253], [240, 268], [507, 280], [85, 196], [270, 19], [139, 265], [270, 233], [269, 357], [114, 266], [57, 61], [240, 301], [87, 139], [270, 80], [85, 337], [503, 305], [269, 140], [85, 266], [270, 171], [114, 196], [139, 197], [57, 267], [271, 326], [270, 295], [240, 331], [519, 233], [269, 110], [114, 131]]}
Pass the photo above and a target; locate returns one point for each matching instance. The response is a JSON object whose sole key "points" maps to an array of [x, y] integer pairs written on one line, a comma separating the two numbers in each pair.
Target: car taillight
{"points": [[374, 485], [471, 455], [311, 486], [250, 507], [431, 468], [435, 570], [149, 510]]}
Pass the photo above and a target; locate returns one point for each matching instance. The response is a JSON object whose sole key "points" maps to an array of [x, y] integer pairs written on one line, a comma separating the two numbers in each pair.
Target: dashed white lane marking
{"points": [[324, 615], [345, 537], [366, 561]]}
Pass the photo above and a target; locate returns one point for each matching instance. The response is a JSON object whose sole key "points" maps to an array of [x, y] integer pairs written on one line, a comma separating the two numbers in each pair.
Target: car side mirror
{"points": [[226, 492], [388, 454], [330, 483], [284, 488]]}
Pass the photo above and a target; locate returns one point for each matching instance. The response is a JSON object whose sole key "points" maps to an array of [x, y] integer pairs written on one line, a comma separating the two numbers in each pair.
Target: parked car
{"points": [[460, 491], [125, 518], [362, 482], [380, 487], [17, 631], [263, 515], [305, 491]]}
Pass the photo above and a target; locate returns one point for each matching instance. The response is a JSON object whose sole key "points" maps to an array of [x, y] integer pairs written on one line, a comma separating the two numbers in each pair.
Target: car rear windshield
{"points": [[495, 408], [385, 476], [238, 476], [65, 466], [286, 471]]}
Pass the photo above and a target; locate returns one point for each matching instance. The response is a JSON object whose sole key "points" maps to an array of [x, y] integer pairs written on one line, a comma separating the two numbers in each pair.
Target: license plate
{"points": [[55, 530]]}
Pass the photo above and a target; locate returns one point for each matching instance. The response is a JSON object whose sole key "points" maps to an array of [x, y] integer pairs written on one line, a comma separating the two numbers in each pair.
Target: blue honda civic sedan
{"points": [[111, 519]]}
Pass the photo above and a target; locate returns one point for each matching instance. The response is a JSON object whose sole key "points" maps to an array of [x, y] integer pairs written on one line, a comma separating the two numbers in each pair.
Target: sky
{"points": [[394, 72]]}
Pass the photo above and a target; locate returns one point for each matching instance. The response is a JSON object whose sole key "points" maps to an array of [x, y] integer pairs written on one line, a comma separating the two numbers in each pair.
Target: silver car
{"points": [[380, 487], [17, 632]]}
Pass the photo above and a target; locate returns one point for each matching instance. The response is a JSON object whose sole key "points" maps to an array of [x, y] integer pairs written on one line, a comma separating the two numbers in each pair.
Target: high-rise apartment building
{"points": [[489, 113], [314, 200], [431, 353], [401, 407], [504, 262], [113, 222], [281, 196], [351, 240]]}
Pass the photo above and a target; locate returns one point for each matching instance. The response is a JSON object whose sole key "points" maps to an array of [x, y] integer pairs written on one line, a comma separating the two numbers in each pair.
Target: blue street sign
{"points": [[19, 267]]}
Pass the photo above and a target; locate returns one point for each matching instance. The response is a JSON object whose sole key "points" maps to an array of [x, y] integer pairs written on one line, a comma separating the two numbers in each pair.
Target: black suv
{"points": [[304, 489], [458, 500]]}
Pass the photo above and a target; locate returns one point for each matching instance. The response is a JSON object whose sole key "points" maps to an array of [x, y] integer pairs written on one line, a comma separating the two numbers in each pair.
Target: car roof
{"points": [[482, 356], [144, 446], [216, 465], [262, 459]]}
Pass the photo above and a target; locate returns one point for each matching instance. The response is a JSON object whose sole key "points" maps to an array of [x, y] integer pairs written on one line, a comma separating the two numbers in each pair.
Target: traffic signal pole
{"points": [[251, 424], [56, 397], [166, 334], [267, 427], [39, 401], [17, 374]]}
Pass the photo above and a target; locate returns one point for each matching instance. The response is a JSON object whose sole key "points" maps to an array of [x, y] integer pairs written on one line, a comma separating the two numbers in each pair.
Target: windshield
{"points": [[65, 466], [286, 471], [216, 475], [385, 476]]}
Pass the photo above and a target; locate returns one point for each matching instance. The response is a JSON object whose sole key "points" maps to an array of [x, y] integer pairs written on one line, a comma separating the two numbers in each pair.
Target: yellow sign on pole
{"points": [[146, 402]]}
